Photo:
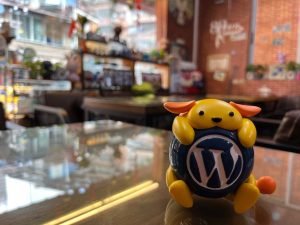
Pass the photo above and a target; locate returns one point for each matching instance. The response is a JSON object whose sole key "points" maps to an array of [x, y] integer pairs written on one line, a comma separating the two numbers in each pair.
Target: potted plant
{"points": [[35, 69], [291, 70], [250, 69], [255, 71], [260, 71]]}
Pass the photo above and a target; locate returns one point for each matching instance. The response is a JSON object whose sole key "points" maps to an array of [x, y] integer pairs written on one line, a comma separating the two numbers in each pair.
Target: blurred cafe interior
{"points": [[84, 135]]}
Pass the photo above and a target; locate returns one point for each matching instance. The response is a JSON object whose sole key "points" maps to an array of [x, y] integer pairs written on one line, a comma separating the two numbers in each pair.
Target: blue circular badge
{"points": [[214, 165]]}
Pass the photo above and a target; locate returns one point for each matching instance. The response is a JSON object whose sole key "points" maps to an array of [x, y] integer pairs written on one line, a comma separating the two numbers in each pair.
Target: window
{"points": [[23, 32], [38, 30], [41, 29]]}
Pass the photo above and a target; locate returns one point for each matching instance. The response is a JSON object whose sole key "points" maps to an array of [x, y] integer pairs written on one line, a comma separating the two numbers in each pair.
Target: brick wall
{"points": [[271, 15], [238, 11], [276, 30], [277, 25]]}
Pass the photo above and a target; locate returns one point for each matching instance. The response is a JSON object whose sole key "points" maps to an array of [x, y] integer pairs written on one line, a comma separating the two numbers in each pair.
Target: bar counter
{"points": [[107, 172]]}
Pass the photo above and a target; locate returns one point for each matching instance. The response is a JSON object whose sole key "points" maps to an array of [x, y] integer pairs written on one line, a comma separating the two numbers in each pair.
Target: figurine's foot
{"points": [[181, 193], [266, 185], [245, 197], [170, 176]]}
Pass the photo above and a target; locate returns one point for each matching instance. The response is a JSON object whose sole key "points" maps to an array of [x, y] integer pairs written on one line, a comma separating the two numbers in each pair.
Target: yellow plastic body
{"points": [[243, 199], [209, 113], [247, 133], [182, 130], [226, 115], [213, 108], [179, 190]]}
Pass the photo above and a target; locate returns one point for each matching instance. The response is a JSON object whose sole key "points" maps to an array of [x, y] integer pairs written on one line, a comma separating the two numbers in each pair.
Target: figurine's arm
{"points": [[247, 133], [182, 130]]}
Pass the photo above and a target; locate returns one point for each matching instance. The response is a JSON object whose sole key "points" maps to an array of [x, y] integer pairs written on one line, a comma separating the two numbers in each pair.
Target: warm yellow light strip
{"points": [[112, 204], [16, 88], [105, 204], [75, 213], [127, 192]]}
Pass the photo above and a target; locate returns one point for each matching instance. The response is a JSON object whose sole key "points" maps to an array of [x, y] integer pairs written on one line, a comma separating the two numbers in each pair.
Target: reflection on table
{"points": [[65, 160], [107, 172]]}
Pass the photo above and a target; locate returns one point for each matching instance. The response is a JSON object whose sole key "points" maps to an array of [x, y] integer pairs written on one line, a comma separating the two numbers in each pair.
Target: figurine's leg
{"points": [[179, 190], [170, 176], [246, 195], [251, 180]]}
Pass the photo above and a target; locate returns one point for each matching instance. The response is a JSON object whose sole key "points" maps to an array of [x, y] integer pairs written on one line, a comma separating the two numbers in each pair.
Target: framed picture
{"points": [[178, 49], [218, 62], [182, 11], [183, 27], [152, 78], [277, 72]]}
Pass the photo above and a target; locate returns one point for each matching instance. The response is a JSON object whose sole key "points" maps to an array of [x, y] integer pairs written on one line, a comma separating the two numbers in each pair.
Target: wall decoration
{"points": [[222, 28], [238, 37], [290, 75], [219, 76], [281, 57], [188, 33], [282, 28], [277, 72], [277, 42], [178, 49], [182, 11], [218, 62], [283, 71]]}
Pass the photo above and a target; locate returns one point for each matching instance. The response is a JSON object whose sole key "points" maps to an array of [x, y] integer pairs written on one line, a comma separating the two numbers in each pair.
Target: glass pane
{"points": [[38, 30], [55, 32], [24, 29]]}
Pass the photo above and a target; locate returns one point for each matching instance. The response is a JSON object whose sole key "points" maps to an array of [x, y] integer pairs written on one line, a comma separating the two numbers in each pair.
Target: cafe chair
{"points": [[69, 101], [289, 129], [279, 134], [282, 106], [47, 116], [2, 117], [5, 124]]}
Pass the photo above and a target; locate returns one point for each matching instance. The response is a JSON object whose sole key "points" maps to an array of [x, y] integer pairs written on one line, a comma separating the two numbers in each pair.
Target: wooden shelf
{"points": [[126, 58], [131, 63]]}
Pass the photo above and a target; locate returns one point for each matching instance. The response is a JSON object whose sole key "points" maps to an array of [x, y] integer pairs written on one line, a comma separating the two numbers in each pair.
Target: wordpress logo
{"points": [[214, 162]]}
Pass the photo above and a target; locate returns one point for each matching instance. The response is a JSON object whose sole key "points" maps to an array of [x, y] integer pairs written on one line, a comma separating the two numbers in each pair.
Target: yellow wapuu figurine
{"points": [[212, 153]]}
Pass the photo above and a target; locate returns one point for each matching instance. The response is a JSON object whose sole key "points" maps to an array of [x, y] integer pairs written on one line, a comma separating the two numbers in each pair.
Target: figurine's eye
{"points": [[201, 113], [231, 114]]}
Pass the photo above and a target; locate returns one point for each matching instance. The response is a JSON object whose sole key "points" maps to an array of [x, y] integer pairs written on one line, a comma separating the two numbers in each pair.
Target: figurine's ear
{"points": [[246, 110], [179, 107]]}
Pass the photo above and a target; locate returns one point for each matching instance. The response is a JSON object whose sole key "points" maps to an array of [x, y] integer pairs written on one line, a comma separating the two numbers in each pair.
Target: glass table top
{"points": [[107, 172]]}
